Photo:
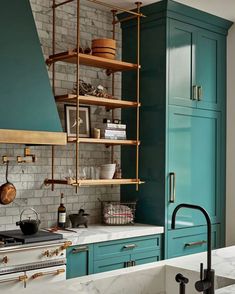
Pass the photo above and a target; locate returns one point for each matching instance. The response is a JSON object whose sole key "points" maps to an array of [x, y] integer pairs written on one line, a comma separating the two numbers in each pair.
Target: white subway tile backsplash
{"points": [[29, 178]]}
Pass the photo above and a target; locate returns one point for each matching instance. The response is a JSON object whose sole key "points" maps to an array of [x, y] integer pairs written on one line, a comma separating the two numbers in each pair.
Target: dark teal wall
{"points": [[26, 98]]}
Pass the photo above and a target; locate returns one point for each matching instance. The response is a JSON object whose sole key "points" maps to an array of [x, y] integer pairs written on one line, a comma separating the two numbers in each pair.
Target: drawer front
{"points": [[192, 240], [126, 246], [16, 281], [146, 257], [111, 264]]}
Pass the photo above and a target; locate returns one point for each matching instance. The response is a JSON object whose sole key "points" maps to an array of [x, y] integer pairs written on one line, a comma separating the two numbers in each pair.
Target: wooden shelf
{"points": [[99, 101], [100, 182], [90, 60], [103, 141], [32, 137]]}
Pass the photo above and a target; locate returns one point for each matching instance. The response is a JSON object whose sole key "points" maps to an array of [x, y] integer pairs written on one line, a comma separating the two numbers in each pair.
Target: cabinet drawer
{"points": [[146, 257], [190, 240], [110, 264], [126, 246]]}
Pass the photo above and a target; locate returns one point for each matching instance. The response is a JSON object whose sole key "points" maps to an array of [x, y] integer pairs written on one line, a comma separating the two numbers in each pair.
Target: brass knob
{"points": [[46, 253], [55, 252], [5, 259], [66, 245]]}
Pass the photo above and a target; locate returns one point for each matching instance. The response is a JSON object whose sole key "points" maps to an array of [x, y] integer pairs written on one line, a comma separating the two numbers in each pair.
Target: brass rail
{"points": [[16, 279], [41, 274], [138, 93]]}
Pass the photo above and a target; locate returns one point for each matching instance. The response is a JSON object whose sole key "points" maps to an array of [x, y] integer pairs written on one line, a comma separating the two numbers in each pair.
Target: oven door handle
{"points": [[16, 279], [41, 274]]}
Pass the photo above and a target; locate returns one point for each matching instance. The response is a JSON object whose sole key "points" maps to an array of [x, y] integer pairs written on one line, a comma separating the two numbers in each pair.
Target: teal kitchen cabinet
{"points": [[194, 167], [100, 257], [79, 261], [196, 66], [123, 253], [182, 122], [191, 240]]}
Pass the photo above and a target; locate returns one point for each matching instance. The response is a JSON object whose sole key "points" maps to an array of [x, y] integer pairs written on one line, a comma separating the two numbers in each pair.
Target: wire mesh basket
{"points": [[118, 213]]}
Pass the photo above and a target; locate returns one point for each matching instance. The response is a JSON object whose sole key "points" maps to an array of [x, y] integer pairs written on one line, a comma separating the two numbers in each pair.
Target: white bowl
{"points": [[107, 171]]}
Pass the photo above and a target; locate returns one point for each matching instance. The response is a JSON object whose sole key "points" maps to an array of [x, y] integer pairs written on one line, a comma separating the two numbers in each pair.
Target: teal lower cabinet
{"points": [[125, 253], [79, 261], [191, 240]]}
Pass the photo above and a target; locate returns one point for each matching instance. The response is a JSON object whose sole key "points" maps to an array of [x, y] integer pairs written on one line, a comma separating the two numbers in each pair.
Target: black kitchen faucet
{"points": [[206, 282]]}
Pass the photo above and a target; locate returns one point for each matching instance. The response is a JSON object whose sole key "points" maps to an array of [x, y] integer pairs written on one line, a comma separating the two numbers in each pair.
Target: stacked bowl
{"points": [[105, 48], [107, 171]]}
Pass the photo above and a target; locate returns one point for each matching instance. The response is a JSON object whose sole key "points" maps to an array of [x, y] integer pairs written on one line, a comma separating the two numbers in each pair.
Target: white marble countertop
{"points": [[101, 233], [158, 276]]}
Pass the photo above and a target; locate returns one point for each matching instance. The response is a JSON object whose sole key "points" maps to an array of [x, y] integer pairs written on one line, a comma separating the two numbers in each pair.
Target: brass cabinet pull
{"points": [[172, 187], [195, 93], [130, 246], [129, 263], [41, 274], [200, 93], [195, 243], [80, 249], [17, 279]]}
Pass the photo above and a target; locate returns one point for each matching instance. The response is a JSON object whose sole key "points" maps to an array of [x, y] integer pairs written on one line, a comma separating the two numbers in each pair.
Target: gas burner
{"points": [[8, 241], [16, 237]]}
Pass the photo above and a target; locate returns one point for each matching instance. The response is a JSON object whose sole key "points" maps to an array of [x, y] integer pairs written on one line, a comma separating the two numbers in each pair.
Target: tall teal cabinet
{"points": [[182, 118]]}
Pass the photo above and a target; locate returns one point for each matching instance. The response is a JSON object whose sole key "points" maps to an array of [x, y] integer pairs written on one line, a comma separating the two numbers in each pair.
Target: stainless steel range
{"points": [[26, 261]]}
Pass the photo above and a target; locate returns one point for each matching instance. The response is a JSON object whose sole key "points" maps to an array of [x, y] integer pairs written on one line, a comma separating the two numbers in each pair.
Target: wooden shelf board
{"points": [[91, 60], [99, 101], [100, 182], [32, 137], [103, 141]]}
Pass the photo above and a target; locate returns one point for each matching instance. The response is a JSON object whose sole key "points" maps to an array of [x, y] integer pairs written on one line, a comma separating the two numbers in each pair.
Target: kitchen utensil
{"points": [[105, 48], [107, 171], [79, 219], [29, 226], [7, 190]]}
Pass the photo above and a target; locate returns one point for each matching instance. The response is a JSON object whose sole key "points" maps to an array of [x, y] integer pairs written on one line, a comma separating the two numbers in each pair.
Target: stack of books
{"points": [[114, 131]]}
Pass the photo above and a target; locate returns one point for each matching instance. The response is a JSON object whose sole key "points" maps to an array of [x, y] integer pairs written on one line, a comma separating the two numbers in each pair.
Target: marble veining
{"points": [[101, 233], [153, 278]]}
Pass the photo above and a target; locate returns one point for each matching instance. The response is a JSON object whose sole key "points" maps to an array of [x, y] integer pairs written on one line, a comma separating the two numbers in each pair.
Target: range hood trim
{"points": [[32, 137]]}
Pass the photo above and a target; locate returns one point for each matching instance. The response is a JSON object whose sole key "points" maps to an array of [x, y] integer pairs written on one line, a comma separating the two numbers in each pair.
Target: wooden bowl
{"points": [[105, 48]]}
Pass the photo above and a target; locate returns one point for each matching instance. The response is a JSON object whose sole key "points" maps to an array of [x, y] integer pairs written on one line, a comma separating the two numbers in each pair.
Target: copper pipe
{"points": [[77, 93], [138, 93], [62, 3], [113, 80], [117, 8], [53, 86], [125, 19]]}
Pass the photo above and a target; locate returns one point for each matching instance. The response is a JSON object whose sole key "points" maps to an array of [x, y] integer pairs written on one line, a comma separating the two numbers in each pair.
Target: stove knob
{"points": [[5, 259], [46, 253], [55, 252], [66, 245]]}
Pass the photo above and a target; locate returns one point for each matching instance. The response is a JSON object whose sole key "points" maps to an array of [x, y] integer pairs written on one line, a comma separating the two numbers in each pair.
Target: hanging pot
{"points": [[29, 226], [7, 190]]}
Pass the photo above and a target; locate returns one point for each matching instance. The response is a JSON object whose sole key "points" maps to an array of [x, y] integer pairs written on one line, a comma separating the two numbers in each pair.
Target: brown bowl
{"points": [[105, 48]]}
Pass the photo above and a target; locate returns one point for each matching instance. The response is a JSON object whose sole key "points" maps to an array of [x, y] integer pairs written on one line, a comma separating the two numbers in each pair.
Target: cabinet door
{"points": [[181, 63], [210, 69], [79, 261], [194, 158]]}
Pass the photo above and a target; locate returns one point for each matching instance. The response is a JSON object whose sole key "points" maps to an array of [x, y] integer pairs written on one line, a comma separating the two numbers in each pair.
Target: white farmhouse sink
{"points": [[157, 280]]}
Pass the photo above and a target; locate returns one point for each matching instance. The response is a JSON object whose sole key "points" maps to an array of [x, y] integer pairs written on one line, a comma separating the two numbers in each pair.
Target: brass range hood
{"points": [[28, 112]]}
